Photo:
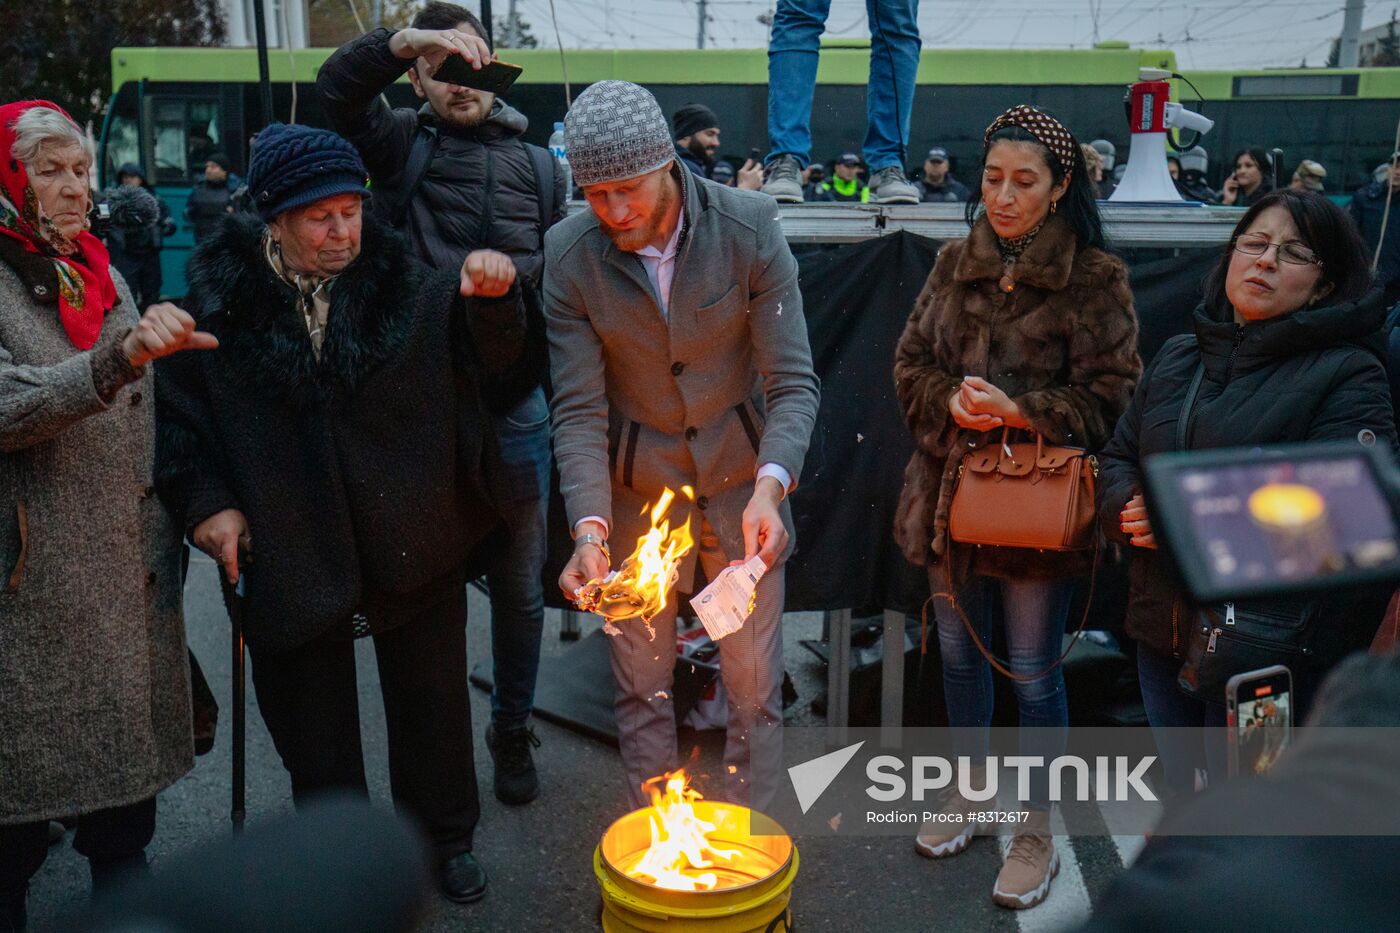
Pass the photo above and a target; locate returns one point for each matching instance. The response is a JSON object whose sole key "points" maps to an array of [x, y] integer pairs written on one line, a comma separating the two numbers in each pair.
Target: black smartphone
{"points": [[1259, 715], [494, 77], [756, 156]]}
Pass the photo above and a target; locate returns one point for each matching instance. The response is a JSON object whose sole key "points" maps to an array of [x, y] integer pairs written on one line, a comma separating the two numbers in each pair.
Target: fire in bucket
{"points": [[693, 864]]}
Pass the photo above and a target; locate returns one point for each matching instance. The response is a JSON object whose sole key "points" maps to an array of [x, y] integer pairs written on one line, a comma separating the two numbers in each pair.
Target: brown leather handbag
{"points": [[1025, 495]]}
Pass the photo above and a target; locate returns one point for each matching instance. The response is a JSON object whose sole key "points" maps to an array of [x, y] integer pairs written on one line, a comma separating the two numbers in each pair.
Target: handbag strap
{"points": [[996, 664], [1005, 447], [1183, 421]]}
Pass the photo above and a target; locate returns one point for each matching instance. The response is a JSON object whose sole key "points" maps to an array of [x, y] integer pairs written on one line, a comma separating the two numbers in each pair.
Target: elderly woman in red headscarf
{"points": [[96, 713]]}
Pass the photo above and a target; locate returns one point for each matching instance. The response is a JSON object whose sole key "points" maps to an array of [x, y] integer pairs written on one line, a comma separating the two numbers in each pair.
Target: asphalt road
{"points": [[539, 857]]}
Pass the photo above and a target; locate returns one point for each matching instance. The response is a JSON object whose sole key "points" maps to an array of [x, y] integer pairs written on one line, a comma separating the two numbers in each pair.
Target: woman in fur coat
{"points": [[335, 451], [1027, 324]]}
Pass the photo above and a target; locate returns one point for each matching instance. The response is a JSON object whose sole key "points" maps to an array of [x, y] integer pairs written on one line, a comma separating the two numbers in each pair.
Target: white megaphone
{"points": [[1151, 114]]}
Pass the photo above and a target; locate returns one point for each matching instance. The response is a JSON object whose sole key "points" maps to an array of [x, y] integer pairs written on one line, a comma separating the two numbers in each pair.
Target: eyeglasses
{"points": [[1256, 244]]}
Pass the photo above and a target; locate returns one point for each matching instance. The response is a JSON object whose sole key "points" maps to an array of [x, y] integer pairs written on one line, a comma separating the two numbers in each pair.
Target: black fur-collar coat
{"points": [[1062, 344], [363, 475]]}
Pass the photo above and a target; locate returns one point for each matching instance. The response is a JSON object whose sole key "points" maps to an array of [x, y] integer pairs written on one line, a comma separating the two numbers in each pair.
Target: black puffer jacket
{"points": [[443, 221], [363, 475], [1314, 375]]}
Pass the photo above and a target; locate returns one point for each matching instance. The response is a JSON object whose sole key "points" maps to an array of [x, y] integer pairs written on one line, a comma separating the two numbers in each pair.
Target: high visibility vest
{"points": [[851, 190]]}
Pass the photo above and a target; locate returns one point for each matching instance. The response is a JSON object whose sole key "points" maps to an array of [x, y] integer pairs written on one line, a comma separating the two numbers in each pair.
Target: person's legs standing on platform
{"points": [[793, 50], [889, 97]]}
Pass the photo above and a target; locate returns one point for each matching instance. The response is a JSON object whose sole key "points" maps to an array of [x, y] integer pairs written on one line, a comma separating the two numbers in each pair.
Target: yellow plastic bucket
{"points": [[755, 899]]}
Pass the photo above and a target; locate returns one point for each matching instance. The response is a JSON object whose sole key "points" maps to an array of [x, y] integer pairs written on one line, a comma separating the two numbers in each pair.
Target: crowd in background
{"points": [[136, 234]]}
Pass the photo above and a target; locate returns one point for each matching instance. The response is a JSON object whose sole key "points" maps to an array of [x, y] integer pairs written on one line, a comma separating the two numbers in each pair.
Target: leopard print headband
{"points": [[1051, 133]]}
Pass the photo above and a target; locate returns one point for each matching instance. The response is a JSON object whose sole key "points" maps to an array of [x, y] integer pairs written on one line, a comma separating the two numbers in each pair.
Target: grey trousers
{"points": [[751, 667]]}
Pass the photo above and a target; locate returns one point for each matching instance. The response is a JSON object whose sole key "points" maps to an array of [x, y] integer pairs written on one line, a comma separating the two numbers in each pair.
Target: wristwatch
{"points": [[597, 541]]}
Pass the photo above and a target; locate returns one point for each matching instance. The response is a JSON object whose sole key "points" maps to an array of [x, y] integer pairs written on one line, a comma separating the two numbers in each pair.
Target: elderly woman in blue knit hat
{"points": [[333, 456]]}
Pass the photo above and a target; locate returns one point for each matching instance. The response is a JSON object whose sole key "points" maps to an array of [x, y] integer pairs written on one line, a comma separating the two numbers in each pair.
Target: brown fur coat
{"points": [[1062, 345]]}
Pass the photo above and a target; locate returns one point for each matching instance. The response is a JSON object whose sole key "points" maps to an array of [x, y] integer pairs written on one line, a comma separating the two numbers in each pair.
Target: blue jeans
{"points": [[889, 97], [517, 595], [1189, 733], [1033, 613]]}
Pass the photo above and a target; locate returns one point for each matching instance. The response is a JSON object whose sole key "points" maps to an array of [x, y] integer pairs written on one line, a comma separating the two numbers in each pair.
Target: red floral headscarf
{"points": [[85, 289]]}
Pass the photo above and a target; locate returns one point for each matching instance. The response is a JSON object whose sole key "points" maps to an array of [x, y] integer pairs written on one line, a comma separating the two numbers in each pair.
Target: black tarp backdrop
{"points": [[857, 298]]}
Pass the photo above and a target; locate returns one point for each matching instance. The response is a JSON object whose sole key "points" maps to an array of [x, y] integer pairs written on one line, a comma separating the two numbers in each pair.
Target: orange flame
{"points": [[640, 585], [658, 555], [680, 847]]}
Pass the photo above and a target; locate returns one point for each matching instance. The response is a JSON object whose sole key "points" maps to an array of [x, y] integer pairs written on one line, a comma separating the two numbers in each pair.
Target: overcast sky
{"points": [[1215, 34]]}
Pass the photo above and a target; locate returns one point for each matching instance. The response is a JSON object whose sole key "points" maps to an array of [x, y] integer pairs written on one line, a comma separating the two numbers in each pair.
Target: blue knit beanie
{"points": [[292, 166]]}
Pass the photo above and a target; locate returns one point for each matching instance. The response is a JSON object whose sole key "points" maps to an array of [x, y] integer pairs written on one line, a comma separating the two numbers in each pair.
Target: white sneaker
{"points": [[941, 838], [1031, 864]]}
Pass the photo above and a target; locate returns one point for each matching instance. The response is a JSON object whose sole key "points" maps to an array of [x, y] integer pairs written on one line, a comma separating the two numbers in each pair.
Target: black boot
{"points": [[462, 879], [14, 915], [112, 875], [516, 780]]}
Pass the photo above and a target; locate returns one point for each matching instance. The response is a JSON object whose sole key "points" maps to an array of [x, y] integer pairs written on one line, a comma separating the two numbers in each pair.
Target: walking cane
{"points": [[235, 614]]}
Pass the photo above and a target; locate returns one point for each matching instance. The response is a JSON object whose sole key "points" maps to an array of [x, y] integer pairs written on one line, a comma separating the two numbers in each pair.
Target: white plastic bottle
{"points": [[556, 146]]}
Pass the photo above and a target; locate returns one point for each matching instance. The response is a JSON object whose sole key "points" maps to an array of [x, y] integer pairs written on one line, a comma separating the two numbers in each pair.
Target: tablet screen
{"points": [[1259, 524]]}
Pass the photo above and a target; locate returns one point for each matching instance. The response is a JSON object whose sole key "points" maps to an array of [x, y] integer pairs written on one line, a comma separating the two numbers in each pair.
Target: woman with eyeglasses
{"points": [[1290, 340]]}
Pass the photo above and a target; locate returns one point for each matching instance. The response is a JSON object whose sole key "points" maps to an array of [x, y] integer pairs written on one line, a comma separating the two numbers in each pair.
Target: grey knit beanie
{"points": [[616, 130]]}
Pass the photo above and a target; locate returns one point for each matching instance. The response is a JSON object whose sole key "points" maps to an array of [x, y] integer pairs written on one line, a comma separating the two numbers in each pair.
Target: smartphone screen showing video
{"points": [[1263, 721], [1259, 525]]}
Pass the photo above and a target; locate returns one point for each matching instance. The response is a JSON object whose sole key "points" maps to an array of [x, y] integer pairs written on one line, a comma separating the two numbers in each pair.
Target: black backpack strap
{"points": [[419, 155], [542, 161], [1183, 421]]}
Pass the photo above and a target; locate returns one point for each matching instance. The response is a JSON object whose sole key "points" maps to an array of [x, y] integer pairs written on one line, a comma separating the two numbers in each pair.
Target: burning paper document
{"points": [[726, 603], [641, 586]]}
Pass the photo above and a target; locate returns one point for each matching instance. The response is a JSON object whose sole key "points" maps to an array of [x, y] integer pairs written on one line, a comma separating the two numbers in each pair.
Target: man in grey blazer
{"points": [[680, 357]]}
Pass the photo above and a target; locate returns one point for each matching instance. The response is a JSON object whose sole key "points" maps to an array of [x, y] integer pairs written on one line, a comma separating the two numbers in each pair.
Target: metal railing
{"points": [[1126, 226]]}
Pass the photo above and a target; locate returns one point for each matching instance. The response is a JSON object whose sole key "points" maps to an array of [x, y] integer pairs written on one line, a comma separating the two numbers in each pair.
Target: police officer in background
{"points": [[937, 185], [845, 183]]}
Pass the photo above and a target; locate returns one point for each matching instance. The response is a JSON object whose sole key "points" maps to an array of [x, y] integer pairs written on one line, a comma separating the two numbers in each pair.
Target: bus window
{"points": [[184, 133], [122, 144]]}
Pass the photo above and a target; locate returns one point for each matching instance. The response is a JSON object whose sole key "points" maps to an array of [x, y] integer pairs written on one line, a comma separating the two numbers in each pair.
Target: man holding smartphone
{"points": [[680, 358], [697, 146], [456, 176]]}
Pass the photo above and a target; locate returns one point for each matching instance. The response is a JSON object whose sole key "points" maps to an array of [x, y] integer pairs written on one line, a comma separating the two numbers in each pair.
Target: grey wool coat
{"points": [[94, 673], [702, 396]]}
